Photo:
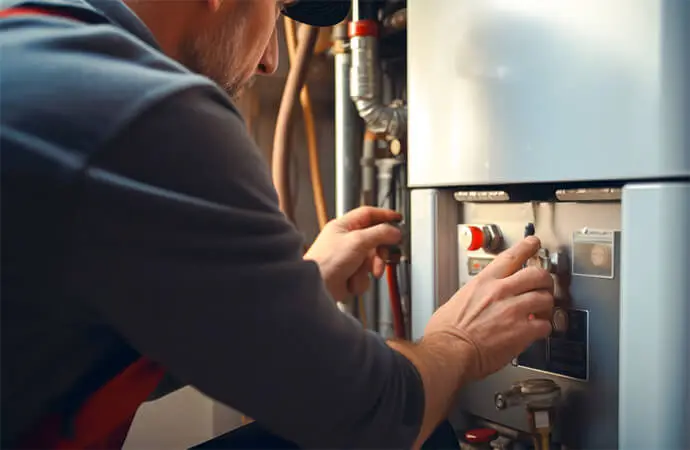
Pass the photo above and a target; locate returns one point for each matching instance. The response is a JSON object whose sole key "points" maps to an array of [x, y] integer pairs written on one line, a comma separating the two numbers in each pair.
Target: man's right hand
{"points": [[480, 329], [500, 312]]}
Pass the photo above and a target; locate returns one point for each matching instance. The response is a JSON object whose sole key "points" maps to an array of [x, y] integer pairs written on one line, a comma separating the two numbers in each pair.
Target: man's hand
{"points": [[480, 329], [346, 249], [501, 311]]}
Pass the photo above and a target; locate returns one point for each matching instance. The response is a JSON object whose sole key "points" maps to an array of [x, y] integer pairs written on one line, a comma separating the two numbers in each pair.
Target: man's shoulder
{"points": [[77, 85]]}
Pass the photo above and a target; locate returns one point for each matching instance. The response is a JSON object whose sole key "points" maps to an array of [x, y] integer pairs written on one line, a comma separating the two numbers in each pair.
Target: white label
{"points": [[541, 419], [593, 253]]}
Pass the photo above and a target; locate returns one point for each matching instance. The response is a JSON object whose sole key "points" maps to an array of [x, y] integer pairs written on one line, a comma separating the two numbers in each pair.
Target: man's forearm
{"points": [[445, 364]]}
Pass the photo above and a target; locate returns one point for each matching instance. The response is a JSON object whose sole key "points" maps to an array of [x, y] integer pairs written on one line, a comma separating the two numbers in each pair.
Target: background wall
{"points": [[187, 417]]}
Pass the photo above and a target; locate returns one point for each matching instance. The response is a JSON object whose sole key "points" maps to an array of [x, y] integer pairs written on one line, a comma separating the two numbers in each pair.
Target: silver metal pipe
{"points": [[367, 162], [356, 15], [369, 196], [365, 87], [346, 140], [385, 175], [346, 144]]}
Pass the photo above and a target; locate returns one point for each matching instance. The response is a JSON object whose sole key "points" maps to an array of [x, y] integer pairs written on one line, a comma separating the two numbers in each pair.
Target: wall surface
{"points": [[176, 421]]}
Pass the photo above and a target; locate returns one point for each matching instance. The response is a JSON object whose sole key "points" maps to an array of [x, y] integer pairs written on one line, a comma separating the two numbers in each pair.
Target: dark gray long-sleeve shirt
{"points": [[139, 218]]}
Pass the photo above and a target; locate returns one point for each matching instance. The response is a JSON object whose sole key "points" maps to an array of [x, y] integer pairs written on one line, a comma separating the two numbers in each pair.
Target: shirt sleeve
{"points": [[180, 248]]}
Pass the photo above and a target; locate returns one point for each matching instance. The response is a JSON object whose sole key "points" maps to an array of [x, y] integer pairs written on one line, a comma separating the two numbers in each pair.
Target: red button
{"points": [[476, 237], [480, 435]]}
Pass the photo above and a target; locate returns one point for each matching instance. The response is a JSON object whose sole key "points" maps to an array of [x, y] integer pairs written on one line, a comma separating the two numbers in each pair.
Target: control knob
{"points": [[481, 237], [559, 320]]}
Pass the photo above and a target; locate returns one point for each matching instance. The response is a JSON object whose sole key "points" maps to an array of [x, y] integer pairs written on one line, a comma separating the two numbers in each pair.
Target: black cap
{"points": [[319, 13]]}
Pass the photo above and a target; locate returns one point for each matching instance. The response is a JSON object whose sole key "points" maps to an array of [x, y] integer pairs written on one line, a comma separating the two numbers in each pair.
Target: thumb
{"points": [[376, 236]]}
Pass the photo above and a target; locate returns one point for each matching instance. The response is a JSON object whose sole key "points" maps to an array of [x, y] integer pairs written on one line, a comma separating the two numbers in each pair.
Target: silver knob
{"points": [[559, 320]]}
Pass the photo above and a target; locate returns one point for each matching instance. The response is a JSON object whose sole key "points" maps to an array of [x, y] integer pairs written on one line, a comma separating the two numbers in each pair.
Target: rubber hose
{"points": [[281, 148], [310, 132]]}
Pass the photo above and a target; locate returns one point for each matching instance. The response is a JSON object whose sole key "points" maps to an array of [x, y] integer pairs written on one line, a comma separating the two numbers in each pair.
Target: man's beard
{"points": [[216, 55], [236, 90]]}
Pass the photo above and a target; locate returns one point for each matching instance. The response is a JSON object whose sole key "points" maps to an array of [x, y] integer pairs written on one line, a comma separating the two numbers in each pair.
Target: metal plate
{"points": [[527, 91]]}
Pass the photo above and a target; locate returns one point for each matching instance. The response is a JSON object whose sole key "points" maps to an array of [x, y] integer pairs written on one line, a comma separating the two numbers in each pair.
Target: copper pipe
{"points": [[310, 131], [281, 146]]}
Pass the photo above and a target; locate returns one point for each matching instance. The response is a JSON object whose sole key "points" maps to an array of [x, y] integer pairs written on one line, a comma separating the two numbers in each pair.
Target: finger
{"points": [[369, 261], [375, 264], [359, 282], [539, 329], [537, 303], [379, 266], [376, 236], [529, 279], [512, 259], [367, 216]]}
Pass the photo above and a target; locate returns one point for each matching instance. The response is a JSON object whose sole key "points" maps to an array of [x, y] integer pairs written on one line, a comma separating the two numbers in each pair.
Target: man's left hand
{"points": [[346, 249]]}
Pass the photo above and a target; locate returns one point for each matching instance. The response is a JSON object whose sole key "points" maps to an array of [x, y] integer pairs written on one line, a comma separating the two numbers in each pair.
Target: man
{"points": [[139, 220]]}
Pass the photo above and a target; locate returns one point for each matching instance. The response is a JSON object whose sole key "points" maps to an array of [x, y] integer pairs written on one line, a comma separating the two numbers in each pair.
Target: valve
{"points": [[559, 320], [556, 263], [532, 393], [539, 396], [485, 237]]}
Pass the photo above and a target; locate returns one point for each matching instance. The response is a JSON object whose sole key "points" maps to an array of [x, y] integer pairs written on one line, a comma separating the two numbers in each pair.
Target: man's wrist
{"points": [[445, 364], [453, 350]]}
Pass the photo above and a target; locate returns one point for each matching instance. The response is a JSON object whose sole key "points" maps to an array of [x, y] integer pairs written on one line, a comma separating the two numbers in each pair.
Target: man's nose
{"points": [[269, 60]]}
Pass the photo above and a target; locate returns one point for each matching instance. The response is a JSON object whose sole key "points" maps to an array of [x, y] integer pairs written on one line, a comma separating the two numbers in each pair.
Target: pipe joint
{"points": [[365, 91]]}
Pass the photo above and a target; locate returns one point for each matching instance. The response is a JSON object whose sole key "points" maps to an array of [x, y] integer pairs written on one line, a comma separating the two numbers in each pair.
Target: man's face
{"points": [[234, 42]]}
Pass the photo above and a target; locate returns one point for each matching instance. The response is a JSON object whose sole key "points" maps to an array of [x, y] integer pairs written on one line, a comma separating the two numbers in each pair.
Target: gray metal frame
{"points": [[433, 219], [655, 317]]}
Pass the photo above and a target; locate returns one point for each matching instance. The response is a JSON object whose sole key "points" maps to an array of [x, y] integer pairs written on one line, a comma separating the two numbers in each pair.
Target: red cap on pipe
{"points": [[362, 28]]}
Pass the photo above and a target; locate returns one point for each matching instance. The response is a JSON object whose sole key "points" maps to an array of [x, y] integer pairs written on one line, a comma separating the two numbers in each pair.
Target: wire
{"points": [[362, 311]]}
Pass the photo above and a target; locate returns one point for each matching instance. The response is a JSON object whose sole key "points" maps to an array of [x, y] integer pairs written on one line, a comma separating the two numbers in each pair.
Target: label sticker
{"points": [[476, 265], [593, 253], [541, 419]]}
